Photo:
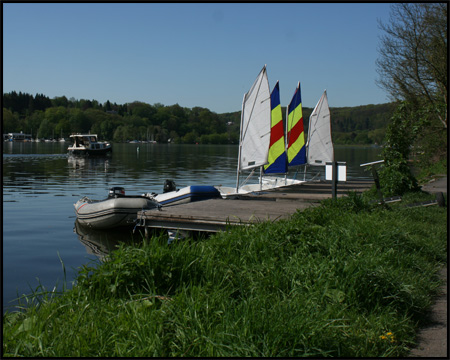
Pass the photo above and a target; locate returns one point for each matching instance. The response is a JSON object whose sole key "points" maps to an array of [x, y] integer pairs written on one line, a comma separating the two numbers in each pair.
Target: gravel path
{"points": [[438, 184], [433, 338]]}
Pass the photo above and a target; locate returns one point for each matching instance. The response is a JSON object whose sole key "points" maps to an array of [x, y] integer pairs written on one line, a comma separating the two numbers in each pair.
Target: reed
{"points": [[346, 279]]}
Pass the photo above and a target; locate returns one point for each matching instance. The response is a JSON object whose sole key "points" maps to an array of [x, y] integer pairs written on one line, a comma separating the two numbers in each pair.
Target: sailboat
{"points": [[294, 147], [320, 145], [277, 147], [254, 134], [318, 149], [262, 144]]}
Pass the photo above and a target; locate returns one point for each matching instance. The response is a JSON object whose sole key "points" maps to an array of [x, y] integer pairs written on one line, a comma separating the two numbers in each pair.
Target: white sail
{"points": [[255, 124], [319, 144]]}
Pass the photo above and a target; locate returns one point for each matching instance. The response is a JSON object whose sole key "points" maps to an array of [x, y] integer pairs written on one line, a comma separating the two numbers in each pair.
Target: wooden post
{"points": [[440, 199], [334, 180]]}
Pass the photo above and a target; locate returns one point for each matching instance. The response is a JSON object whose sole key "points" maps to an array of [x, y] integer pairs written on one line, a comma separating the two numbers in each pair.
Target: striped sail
{"points": [[296, 149], [277, 150]]}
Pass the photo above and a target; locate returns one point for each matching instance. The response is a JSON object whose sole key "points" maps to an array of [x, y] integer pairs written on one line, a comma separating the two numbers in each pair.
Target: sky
{"points": [[193, 54]]}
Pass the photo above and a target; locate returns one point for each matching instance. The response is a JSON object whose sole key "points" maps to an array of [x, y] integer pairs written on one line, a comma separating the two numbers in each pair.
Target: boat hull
{"points": [[91, 152], [188, 194], [268, 183], [87, 144], [112, 212]]}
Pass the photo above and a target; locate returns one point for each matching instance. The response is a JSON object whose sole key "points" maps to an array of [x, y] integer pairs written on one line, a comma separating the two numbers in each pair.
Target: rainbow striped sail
{"points": [[296, 149], [277, 148]]}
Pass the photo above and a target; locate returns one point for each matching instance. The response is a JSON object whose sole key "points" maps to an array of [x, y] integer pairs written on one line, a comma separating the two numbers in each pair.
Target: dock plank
{"points": [[317, 191], [218, 214]]}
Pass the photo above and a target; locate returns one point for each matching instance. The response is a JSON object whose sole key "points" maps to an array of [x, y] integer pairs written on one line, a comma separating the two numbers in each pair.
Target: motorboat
{"points": [[120, 210], [88, 144], [117, 210], [173, 196]]}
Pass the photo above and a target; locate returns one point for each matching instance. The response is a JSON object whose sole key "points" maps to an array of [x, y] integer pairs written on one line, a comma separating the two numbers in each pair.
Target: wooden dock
{"points": [[218, 214]]}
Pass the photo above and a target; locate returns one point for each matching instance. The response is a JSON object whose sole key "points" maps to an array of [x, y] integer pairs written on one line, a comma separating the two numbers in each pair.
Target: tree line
{"points": [[59, 117]]}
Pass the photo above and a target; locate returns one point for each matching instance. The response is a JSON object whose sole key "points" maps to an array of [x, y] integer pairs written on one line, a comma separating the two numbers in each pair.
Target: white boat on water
{"points": [[171, 196], [120, 210], [117, 210], [88, 144], [262, 138]]}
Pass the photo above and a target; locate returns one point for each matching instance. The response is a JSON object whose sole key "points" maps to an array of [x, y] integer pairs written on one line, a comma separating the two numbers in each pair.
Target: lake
{"points": [[41, 182]]}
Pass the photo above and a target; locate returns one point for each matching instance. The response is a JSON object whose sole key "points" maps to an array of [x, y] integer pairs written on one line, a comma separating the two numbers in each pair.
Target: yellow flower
{"points": [[389, 336]]}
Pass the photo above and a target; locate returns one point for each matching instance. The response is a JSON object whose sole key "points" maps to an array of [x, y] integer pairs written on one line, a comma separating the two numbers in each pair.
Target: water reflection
{"points": [[85, 167], [81, 163], [102, 242]]}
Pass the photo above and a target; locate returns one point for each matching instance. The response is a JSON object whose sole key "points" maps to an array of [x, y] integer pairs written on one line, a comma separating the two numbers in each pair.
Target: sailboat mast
{"points": [[240, 145], [310, 129], [286, 139], [307, 144], [286, 142], [260, 177]]}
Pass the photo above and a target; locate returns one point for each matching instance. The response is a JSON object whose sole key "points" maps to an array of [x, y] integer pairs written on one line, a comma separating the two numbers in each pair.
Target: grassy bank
{"points": [[345, 279]]}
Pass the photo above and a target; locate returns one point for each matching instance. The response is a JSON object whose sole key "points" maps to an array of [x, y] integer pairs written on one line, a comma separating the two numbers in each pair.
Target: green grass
{"points": [[347, 279], [425, 172]]}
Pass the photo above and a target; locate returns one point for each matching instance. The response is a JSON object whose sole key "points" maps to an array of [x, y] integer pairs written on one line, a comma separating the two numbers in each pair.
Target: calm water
{"points": [[41, 183]]}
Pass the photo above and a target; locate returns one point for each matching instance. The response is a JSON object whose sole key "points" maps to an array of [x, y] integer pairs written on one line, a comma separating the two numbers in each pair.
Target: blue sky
{"points": [[201, 54]]}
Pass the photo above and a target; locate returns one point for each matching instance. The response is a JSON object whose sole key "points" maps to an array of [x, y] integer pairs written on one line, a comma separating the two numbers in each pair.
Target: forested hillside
{"points": [[59, 117]]}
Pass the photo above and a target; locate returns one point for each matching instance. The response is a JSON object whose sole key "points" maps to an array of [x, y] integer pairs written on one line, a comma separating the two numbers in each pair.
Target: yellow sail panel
{"points": [[277, 151], [296, 150]]}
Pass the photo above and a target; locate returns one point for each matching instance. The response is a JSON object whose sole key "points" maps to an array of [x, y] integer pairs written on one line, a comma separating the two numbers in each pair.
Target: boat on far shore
{"points": [[88, 144]]}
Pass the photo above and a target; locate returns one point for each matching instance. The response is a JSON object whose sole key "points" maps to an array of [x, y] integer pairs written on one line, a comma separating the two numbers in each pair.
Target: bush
{"points": [[396, 179], [395, 176]]}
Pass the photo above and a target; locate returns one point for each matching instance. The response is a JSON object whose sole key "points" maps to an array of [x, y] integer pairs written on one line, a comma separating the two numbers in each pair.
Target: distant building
{"points": [[17, 137]]}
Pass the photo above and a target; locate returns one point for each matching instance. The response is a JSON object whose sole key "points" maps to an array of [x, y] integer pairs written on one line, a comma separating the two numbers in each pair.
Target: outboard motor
{"points": [[116, 192], [169, 185]]}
